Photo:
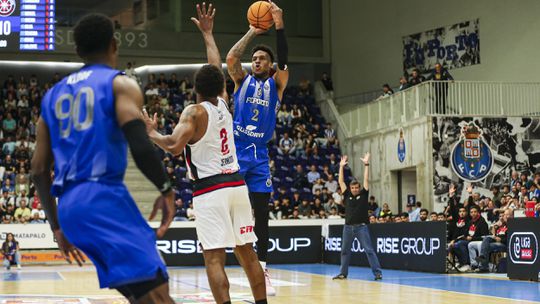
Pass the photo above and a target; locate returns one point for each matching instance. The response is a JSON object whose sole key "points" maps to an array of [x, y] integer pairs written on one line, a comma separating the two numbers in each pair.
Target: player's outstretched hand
{"points": [[151, 123], [205, 17], [67, 249], [164, 202], [277, 14]]}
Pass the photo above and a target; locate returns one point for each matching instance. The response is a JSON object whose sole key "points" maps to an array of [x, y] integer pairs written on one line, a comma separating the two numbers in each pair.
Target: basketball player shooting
{"points": [[256, 101], [87, 120], [220, 196]]}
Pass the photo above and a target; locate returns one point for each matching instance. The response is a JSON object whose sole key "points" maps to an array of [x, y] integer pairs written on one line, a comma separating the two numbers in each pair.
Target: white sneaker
{"points": [[465, 268], [270, 290]]}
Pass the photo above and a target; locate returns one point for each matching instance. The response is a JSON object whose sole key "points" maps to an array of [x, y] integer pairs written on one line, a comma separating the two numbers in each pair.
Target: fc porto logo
{"points": [[7, 7], [471, 157]]}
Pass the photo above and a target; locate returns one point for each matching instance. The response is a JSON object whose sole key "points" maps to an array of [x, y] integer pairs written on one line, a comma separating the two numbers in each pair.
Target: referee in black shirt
{"points": [[356, 221]]}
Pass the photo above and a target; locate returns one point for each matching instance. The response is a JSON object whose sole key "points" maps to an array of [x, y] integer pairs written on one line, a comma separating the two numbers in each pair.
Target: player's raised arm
{"points": [[205, 23], [282, 74], [234, 63], [128, 106], [42, 161], [182, 133]]}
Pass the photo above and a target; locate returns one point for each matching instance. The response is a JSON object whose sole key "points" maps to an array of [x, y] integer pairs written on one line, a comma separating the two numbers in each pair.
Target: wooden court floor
{"points": [[296, 284]]}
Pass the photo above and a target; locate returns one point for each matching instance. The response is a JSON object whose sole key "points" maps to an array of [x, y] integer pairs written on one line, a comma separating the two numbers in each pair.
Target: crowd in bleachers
{"points": [[19, 112]]}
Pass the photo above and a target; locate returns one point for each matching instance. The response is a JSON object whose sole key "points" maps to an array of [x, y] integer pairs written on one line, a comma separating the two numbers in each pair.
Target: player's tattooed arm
{"points": [[182, 134], [234, 64]]}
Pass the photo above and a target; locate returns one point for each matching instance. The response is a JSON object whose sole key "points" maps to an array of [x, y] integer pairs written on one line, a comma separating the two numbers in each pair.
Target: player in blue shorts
{"points": [[256, 102], [87, 121]]}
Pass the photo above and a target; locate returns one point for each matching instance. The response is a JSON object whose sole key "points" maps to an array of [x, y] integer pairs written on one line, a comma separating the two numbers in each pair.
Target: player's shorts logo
{"points": [[7, 7], [268, 182], [472, 159]]}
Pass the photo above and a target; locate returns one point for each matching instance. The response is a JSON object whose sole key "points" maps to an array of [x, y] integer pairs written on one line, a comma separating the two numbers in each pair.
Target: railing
{"points": [[441, 98]]}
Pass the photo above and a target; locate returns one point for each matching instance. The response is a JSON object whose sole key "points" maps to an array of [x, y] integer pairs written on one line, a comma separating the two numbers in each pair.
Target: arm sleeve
{"points": [[282, 49], [145, 155]]}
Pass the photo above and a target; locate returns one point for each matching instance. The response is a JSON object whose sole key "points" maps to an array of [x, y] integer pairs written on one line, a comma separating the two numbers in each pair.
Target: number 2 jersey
{"points": [[215, 152], [86, 140], [256, 103]]}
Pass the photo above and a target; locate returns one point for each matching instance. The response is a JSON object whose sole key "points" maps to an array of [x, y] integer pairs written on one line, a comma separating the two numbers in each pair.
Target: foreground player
{"points": [[86, 122], [256, 101], [220, 197]]}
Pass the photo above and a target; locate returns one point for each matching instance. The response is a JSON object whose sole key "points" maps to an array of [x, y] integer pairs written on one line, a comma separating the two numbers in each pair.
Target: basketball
{"points": [[259, 15]]}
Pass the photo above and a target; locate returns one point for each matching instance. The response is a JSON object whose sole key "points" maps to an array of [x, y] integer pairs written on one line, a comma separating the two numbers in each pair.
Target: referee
{"points": [[356, 220]]}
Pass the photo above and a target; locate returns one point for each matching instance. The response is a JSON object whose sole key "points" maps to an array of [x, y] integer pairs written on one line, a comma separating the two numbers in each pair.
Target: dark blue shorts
{"points": [[254, 167], [103, 221]]}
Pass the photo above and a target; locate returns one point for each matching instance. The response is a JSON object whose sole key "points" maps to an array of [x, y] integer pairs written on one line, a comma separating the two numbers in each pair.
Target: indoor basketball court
{"points": [[374, 151], [309, 283]]}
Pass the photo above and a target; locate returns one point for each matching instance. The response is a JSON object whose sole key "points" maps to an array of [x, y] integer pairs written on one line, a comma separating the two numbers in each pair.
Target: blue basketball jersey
{"points": [[86, 140], [256, 103]]}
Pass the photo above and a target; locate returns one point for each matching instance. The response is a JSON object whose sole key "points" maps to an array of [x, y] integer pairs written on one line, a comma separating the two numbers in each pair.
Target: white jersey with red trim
{"points": [[215, 152]]}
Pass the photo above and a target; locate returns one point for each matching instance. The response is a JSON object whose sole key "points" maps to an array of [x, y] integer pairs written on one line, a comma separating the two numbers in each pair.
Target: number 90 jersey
{"points": [[215, 152], [256, 103], [86, 140]]}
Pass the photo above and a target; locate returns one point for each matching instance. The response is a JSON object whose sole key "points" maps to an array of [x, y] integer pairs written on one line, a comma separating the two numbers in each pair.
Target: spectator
{"points": [[295, 215], [299, 145], [22, 181], [21, 196], [190, 213], [416, 78], [423, 215], [39, 212], [5, 200], [180, 213], [404, 217], [313, 175], [403, 84], [317, 188], [296, 114], [385, 211], [372, 204], [334, 214], [286, 209], [458, 234], [35, 219], [300, 179], [498, 241], [276, 213], [414, 215], [9, 125], [284, 115], [296, 200], [23, 213], [173, 83], [130, 72], [327, 82], [439, 73], [441, 217], [8, 217], [8, 187], [331, 184], [452, 209], [304, 209], [468, 250], [9, 146], [372, 219], [317, 208], [387, 91], [497, 195], [286, 145], [10, 251]]}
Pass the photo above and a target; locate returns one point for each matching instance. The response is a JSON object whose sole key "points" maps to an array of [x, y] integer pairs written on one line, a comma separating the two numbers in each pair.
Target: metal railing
{"points": [[442, 98]]}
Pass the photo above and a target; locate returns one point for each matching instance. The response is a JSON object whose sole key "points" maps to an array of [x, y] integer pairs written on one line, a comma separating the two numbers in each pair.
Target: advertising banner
{"points": [[30, 236], [417, 246], [288, 244], [523, 259]]}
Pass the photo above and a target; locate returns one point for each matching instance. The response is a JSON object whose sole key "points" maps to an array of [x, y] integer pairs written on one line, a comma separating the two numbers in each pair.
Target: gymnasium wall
{"points": [[384, 164], [366, 39]]}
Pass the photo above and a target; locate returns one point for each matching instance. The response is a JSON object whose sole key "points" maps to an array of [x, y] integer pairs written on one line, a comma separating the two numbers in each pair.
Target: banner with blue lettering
{"points": [[453, 46]]}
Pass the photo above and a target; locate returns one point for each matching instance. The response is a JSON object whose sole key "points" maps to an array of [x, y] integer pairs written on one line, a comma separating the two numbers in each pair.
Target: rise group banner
{"points": [[453, 46], [288, 245], [408, 246]]}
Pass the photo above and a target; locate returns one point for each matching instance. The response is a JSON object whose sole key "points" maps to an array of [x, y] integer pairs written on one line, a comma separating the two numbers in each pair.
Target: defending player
{"points": [[86, 123], [220, 197], [256, 101]]}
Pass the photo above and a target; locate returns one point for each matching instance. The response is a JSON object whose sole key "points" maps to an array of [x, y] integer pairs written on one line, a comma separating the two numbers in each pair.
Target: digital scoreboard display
{"points": [[27, 25]]}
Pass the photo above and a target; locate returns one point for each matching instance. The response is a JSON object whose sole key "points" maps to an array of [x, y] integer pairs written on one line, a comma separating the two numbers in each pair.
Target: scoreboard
{"points": [[27, 25]]}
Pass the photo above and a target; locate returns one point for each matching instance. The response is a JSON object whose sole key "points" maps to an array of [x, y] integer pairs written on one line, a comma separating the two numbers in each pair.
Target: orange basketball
{"points": [[259, 15]]}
